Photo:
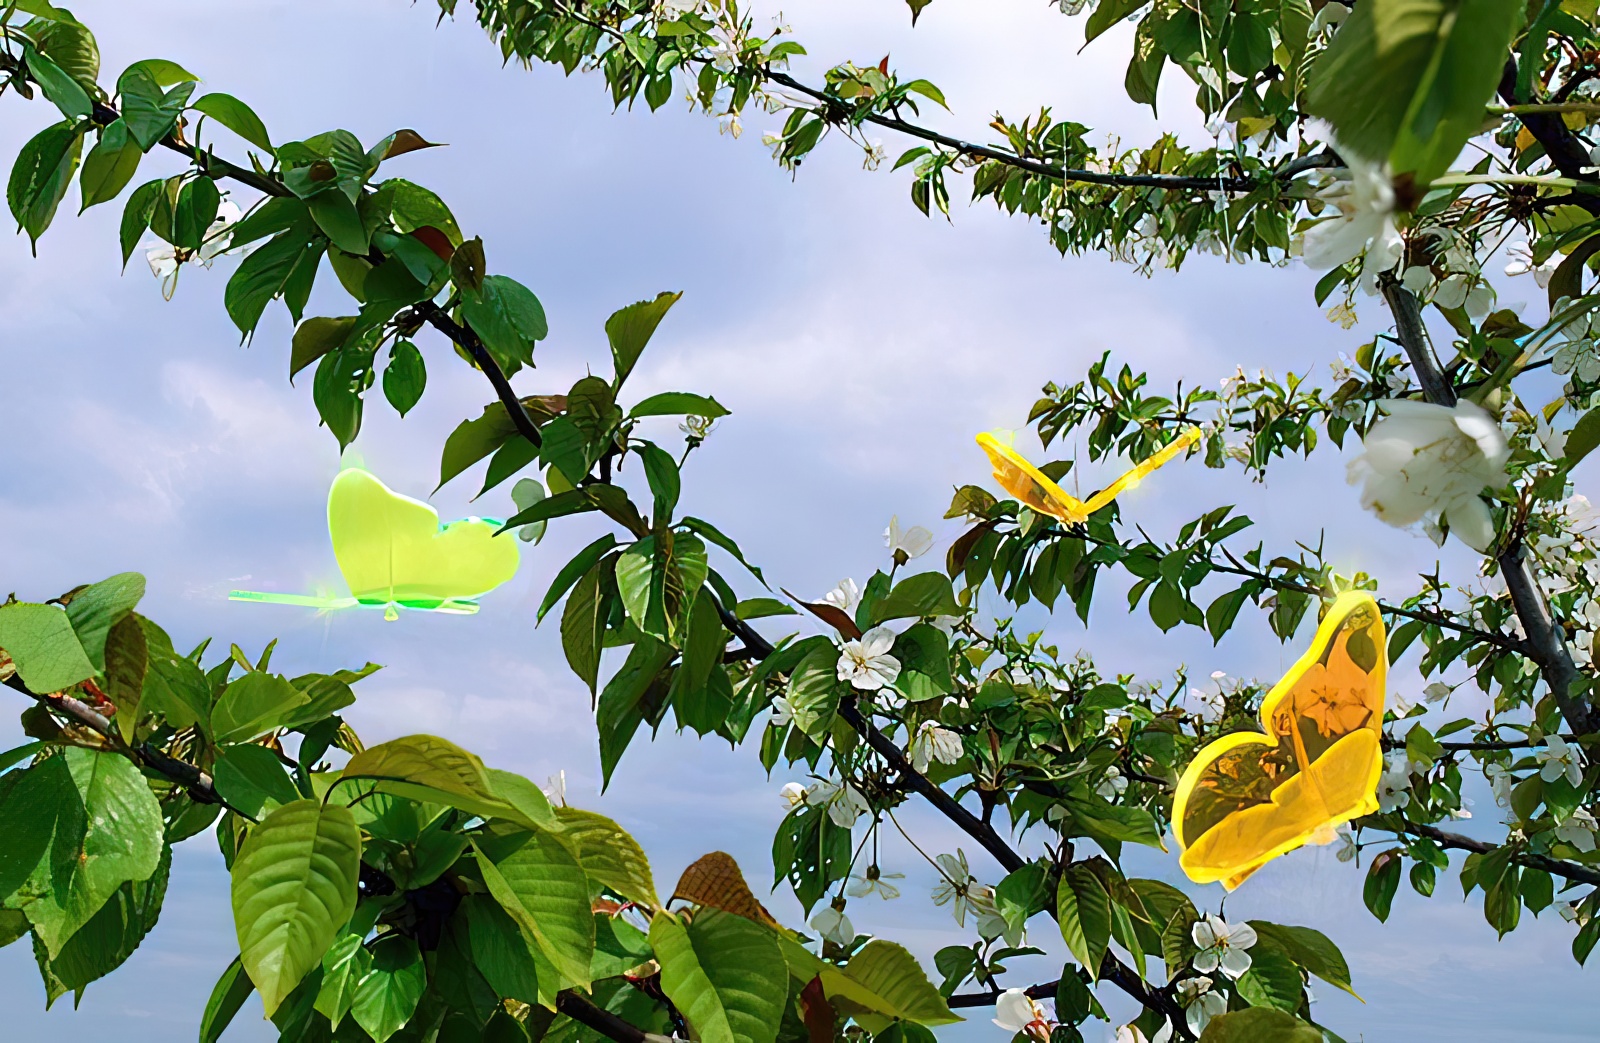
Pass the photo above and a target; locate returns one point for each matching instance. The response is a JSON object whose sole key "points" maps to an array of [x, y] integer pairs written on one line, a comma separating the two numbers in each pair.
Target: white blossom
{"points": [[1330, 17], [846, 596], [905, 544], [1363, 195], [1522, 264], [1428, 459], [1199, 1003], [166, 260], [1558, 758], [1347, 850], [1500, 782], [555, 788], [873, 155], [833, 925], [874, 881], [957, 886], [1016, 1011], [794, 793], [1394, 788], [934, 743], [1436, 692], [1578, 830], [782, 711], [844, 802], [866, 663], [1114, 785], [1222, 946], [1344, 313]]}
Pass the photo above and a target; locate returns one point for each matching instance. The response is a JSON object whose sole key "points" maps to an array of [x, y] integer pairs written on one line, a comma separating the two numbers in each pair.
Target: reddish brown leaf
{"points": [[832, 615], [817, 1012], [434, 240], [407, 141], [715, 880]]}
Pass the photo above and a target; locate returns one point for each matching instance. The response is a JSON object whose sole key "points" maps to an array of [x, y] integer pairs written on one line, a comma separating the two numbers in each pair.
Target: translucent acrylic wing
{"points": [[1034, 489], [1249, 797]]}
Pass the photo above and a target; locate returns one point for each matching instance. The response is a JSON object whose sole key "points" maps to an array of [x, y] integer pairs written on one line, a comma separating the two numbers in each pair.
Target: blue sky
{"points": [[859, 346]]}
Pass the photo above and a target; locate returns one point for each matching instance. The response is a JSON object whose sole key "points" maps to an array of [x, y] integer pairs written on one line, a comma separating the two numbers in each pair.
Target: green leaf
{"points": [[583, 625], [271, 271], [508, 318], [525, 799], [715, 535], [1584, 437], [885, 979], [631, 328], [250, 778], [405, 377], [62, 90], [127, 655], [66, 42], [1272, 981], [501, 951], [661, 472], [1260, 1025], [236, 116], [679, 403], [619, 710], [389, 993], [165, 73], [472, 440], [106, 831], [610, 856], [924, 594], [1083, 909], [112, 934], [343, 966], [294, 886], [136, 216], [227, 996], [1108, 13], [725, 973], [428, 768], [580, 564], [542, 885], [1407, 80], [1310, 949], [1383, 880], [151, 114], [40, 176], [339, 220], [97, 608], [762, 608], [109, 166], [41, 640], [1022, 893], [413, 207], [315, 337], [196, 210], [924, 654], [814, 690], [1102, 820], [252, 704]]}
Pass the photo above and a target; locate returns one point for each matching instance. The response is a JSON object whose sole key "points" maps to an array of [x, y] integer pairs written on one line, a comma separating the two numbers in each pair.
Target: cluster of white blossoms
{"points": [[1461, 286], [1426, 461], [1362, 196], [1577, 353], [844, 802]]}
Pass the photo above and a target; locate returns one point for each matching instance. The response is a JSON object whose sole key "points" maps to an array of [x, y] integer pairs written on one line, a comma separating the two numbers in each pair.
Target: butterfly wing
{"points": [[1133, 477], [1248, 798], [1029, 484], [391, 548]]}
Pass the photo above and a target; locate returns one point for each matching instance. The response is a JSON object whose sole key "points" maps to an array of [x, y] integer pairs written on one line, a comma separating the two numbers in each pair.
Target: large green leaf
{"points": [[1083, 910], [924, 594], [112, 934], [1407, 80], [40, 639], [294, 886], [538, 880], [525, 798], [610, 856], [344, 965], [725, 973], [881, 983], [252, 704], [630, 329], [389, 992], [252, 780], [105, 829], [283, 267], [109, 166], [500, 950], [1309, 948], [924, 654], [1272, 981], [428, 768], [98, 607], [236, 116]]}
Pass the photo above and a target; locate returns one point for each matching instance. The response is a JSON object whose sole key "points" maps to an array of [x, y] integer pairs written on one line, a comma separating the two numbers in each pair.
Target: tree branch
{"points": [[579, 1009], [1546, 645], [1555, 867], [216, 168], [1043, 991]]}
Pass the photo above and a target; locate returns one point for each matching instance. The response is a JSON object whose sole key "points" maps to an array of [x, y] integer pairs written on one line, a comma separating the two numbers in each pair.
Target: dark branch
{"points": [[603, 1021], [1555, 867], [469, 340], [1045, 991]]}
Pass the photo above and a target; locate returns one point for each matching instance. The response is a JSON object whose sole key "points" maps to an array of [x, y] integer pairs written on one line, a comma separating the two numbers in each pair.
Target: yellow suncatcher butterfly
{"points": [[1247, 798], [1034, 489], [393, 553]]}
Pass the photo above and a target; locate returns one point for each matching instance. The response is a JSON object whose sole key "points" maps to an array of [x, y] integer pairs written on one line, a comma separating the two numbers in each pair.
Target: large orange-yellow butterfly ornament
{"points": [[1248, 798], [1034, 489]]}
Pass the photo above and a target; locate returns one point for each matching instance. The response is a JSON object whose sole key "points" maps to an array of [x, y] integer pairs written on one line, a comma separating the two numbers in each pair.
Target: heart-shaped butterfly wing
{"points": [[1034, 489], [1247, 797], [392, 549]]}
